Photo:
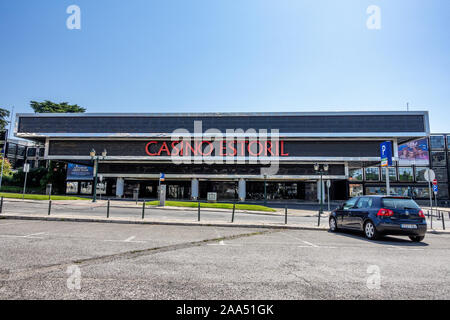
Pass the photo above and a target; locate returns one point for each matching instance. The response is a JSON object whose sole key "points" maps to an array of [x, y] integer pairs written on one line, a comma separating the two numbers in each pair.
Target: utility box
{"points": [[136, 194], [212, 197], [48, 189], [162, 195]]}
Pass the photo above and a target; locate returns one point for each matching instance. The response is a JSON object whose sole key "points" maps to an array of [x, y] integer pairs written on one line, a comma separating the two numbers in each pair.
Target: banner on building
{"points": [[79, 172], [414, 153]]}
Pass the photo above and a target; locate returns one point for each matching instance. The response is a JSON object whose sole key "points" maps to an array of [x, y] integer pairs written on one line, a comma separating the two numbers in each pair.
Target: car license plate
{"points": [[408, 226]]}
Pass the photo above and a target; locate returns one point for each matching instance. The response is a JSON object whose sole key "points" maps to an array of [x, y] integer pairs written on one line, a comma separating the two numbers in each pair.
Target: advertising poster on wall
{"points": [[79, 172], [414, 153]]}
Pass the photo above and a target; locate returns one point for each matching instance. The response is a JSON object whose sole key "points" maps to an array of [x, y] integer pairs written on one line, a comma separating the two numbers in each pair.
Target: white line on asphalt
{"points": [[29, 236], [310, 244], [222, 244], [404, 249], [305, 242], [34, 234], [14, 223], [128, 240]]}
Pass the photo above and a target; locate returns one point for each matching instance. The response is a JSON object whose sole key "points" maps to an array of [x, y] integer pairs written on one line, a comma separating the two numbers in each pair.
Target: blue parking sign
{"points": [[161, 176], [386, 153], [435, 188]]}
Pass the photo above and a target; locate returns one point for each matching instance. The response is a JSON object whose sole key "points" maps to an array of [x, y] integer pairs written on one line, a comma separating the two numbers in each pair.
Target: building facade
{"points": [[236, 155], [19, 151]]}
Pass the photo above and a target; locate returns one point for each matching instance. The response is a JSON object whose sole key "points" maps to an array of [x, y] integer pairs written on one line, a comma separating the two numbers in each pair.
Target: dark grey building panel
{"points": [[286, 123]]}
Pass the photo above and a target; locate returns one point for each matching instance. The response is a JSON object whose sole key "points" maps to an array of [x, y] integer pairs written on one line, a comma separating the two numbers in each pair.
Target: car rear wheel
{"points": [[417, 238], [370, 231], [333, 225]]}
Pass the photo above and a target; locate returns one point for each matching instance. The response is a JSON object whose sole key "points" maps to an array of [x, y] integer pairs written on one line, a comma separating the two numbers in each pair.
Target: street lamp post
{"points": [[320, 170], [265, 190], [95, 158]]}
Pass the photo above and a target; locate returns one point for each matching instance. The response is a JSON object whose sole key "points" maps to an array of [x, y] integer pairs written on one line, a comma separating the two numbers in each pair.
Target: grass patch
{"points": [[38, 196], [250, 207]]}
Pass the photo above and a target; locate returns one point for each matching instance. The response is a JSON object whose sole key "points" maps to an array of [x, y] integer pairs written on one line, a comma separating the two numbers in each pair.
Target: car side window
{"points": [[350, 203], [364, 203]]}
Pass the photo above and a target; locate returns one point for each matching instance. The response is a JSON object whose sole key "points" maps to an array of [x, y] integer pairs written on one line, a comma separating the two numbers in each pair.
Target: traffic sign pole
{"points": [[386, 161], [26, 168], [435, 191], [388, 187], [430, 176], [328, 193]]}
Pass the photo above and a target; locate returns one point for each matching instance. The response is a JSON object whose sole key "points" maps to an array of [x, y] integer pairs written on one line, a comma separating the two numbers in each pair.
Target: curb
{"points": [[174, 223]]}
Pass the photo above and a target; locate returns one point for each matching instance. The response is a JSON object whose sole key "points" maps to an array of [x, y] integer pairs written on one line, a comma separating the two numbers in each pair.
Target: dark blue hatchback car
{"points": [[381, 215]]}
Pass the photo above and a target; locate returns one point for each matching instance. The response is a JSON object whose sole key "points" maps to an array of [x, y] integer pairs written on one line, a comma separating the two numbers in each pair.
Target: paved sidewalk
{"points": [[130, 212], [133, 204]]}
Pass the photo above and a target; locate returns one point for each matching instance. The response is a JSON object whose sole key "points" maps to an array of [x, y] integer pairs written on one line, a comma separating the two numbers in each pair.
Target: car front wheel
{"points": [[417, 238], [370, 231], [333, 225]]}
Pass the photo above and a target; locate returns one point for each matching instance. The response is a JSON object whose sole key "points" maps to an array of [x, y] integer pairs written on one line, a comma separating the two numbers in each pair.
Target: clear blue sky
{"points": [[228, 55]]}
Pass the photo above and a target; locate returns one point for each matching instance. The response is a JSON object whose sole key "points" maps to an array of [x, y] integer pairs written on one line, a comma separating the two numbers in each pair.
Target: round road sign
{"points": [[429, 175]]}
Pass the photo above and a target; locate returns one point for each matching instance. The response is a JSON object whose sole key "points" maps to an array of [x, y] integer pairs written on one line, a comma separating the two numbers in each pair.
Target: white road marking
{"points": [[228, 244], [130, 239], [310, 244], [34, 234], [305, 242], [29, 236], [404, 249], [14, 223]]}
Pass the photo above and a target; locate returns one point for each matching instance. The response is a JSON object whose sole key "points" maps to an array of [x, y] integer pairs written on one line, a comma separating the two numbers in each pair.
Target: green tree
{"points": [[7, 170], [3, 115], [56, 175], [51, 107]]}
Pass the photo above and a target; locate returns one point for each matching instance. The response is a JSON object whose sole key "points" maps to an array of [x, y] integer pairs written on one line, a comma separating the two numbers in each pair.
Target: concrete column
{"points": [[321, 189], [194, 189], [119, 187], [242, 190]]}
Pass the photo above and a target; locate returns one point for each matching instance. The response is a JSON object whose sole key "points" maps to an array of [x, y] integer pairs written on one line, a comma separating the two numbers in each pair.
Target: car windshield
{"points": [[399, 203]]}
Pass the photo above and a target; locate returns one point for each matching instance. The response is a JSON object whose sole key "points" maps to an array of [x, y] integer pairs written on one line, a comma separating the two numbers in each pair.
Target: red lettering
{"points": [[211, 149], [231, 146], [260, 148], [147, 148], [269, 148], [165, 148], [242, 143], [175, 150], [222, 148], [193, 151], [283, 154]]}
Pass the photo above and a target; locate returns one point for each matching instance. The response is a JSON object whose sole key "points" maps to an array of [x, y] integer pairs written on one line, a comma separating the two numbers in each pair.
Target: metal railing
{"points": [[112, 209]]}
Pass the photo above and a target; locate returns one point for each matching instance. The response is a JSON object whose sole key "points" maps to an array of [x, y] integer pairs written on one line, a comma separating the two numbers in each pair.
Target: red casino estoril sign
{"points": [[225, 148]]}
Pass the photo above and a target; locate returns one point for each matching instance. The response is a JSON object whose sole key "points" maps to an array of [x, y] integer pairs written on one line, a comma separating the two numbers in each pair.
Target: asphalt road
{"points": [[45, 260]]}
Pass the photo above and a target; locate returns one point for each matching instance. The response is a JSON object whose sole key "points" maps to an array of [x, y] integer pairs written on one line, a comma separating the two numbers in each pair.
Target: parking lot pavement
{"points": [[39, 259]]}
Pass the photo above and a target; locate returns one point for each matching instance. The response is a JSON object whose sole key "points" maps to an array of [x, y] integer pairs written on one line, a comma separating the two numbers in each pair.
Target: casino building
{"points": [[236, 155]]}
